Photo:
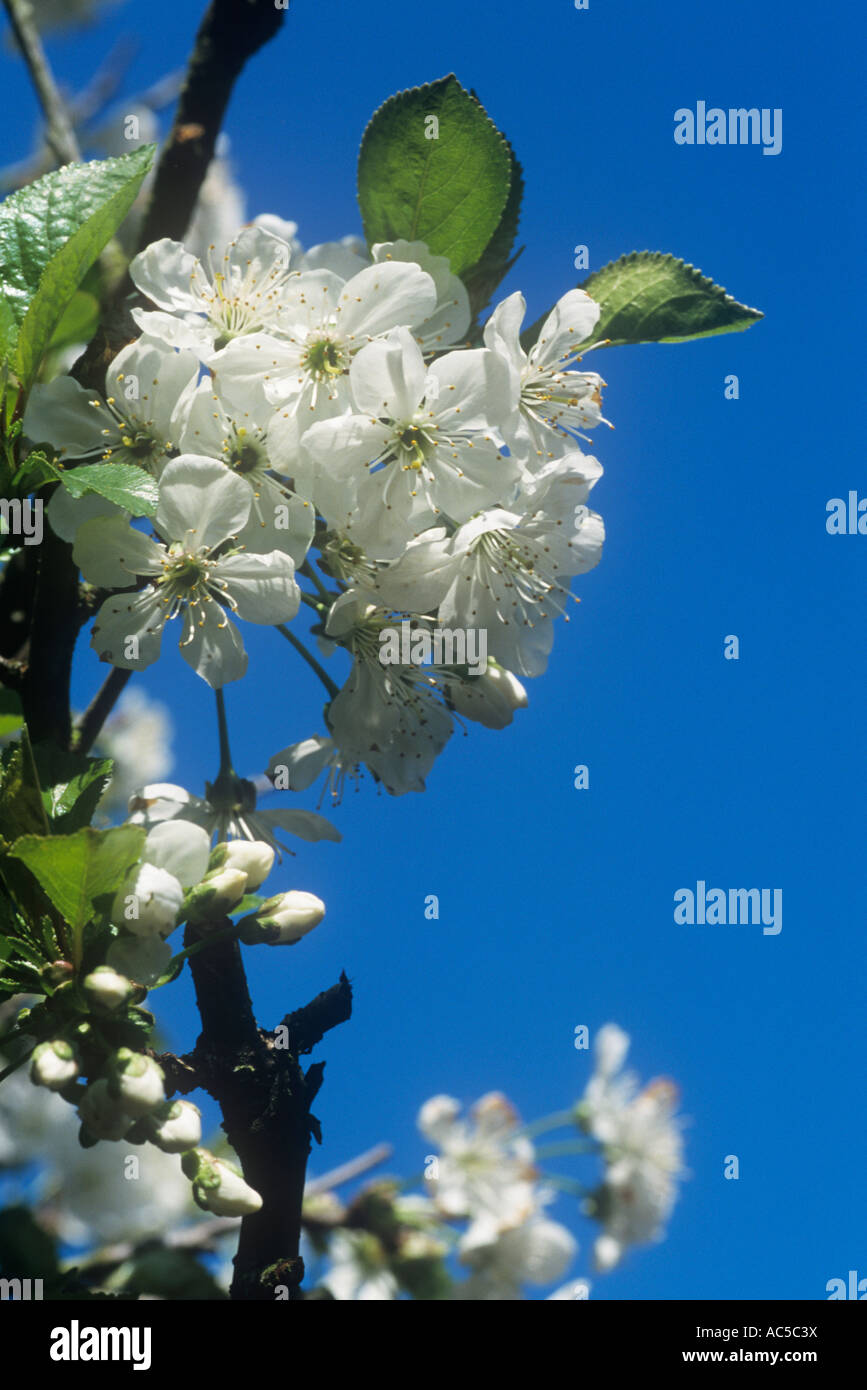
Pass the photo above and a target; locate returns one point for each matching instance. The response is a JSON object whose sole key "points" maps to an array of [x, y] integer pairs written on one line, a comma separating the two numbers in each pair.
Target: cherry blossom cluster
{"points": [[323, 434], [487, 1198]]}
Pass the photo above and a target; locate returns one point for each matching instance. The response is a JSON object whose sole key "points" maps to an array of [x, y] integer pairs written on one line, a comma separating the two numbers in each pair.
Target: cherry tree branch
{"points": [[58, 128], [90, 725], [229, 35], [265, 1098]]}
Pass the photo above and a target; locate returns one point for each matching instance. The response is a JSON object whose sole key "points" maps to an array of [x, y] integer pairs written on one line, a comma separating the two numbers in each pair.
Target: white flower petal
{"points": [[60, 414], [307, 825], [383, 296], [179, 847], [262, 586], [200, 495], [169, 275], [110, 553], [138, 616], [212, 645], [387, 377]]}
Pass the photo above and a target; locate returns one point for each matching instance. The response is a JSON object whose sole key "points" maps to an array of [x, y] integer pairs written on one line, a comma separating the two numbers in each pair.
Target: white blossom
{"points": [[202, 506], [504, 570], [556, 404], [642, 1149], [421, 443], [203, 305], [359, 1270]]}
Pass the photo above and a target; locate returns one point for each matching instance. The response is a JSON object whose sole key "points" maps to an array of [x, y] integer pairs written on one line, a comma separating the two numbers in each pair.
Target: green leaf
{"points": [[51, 232], [36, 469], [20, 807], [8, 331], [71, 784], [650, 297], [11, 714], [124, 484], [78, 322], [449, 192], [75, 870], [483, 278]]}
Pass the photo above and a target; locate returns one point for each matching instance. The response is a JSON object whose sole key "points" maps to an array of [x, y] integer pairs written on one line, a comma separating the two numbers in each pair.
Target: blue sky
{"points": [[556, 905]]}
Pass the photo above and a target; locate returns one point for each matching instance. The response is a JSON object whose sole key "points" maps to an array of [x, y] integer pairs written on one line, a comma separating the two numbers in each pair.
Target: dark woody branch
{"points": [[230, 33], [265, 1100]]}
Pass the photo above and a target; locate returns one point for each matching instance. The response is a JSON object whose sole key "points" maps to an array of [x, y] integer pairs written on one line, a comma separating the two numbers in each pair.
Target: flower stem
{"points": [[566, 1146], [570, 1185], [309, 573], [226, 769], [557, 1120], [309, 658]]}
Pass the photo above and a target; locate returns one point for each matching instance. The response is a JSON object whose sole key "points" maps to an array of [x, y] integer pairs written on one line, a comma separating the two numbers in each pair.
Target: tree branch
{"points": [[265, 1102], [309, 1025], [230, 33], [59, 132], [100, 707], [45, 687]]}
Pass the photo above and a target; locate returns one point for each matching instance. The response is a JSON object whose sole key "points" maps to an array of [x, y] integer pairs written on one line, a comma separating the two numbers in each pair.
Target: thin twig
{"points": [[59, 132], [90, 725], [371, 1158]]}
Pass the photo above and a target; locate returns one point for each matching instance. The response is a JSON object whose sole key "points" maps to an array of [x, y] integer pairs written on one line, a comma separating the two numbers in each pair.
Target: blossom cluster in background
{"points": [[477, 1226]]}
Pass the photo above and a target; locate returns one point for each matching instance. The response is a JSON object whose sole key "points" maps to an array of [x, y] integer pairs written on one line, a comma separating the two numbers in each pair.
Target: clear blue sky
{"points": [[557, 904]]}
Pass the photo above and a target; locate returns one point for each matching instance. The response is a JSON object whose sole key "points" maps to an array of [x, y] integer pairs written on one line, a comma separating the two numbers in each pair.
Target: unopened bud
{"points": [[253, 857], [137, 1082], [176, 1127], [216, 895], [107, 988], [101, 1113], [58, 972], [283, 920], [490, 699], [149, 901], [53, 1064], [218, 1187]]}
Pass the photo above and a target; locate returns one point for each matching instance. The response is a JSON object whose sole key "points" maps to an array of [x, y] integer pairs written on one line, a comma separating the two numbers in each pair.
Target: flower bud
{"points": [[101, 1113], [252, 857], [137, 1081], [53, 1064], [216, 895], [283, 920], [490, 699], [217, 1186], [107, 989], [176, 1127], [148, 902], [58, 972]]}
